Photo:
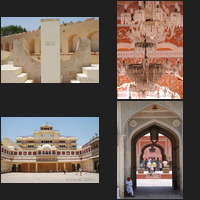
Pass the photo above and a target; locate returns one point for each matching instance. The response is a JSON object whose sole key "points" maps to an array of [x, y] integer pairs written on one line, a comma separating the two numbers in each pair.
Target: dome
{"points": [[11, 148], [46, 146], [46, 127]]}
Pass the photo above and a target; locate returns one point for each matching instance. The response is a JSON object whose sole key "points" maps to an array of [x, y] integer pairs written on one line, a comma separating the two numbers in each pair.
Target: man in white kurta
{"points": [[129, 187]]}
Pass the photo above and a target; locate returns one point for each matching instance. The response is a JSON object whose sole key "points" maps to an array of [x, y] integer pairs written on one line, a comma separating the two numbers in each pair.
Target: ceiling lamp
{"points": [[152, 20]]}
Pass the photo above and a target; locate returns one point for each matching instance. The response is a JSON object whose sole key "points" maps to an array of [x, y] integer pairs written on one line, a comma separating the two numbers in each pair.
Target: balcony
{"points": [[95, 152], [47, 158]]}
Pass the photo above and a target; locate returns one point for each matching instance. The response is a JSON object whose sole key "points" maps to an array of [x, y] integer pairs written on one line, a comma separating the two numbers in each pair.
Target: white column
{"points": [[121, 164], [50, 50]]}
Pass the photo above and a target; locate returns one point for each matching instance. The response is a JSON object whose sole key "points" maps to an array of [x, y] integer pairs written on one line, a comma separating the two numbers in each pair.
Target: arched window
{"points": [[94, 37], [32, 46], [7, 46]]}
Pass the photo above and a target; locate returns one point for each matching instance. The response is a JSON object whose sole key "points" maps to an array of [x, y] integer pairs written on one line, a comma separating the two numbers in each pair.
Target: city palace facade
{"points": [[46, 150]]}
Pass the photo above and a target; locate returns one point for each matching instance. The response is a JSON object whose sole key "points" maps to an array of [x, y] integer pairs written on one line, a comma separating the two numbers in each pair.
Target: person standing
{"points": [[151, 169], [154, 166], [149, 165], [129, 186], [157, 163], [143, 163], [160, 164], [146, 161], [80, 170]]}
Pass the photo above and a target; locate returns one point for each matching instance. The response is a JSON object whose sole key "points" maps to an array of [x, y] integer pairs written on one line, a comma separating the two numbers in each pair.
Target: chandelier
{"points": [[153, 20], [150, 24]]}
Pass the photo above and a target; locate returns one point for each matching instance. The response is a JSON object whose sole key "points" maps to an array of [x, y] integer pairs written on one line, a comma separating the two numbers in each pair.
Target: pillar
{"points": [[28, 167], [56, 166], [50, 51], [36, 167], [64, 166], [121, 164]]}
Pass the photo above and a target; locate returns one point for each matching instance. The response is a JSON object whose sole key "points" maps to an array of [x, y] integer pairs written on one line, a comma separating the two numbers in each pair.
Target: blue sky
{"points": [[32, 23], [83, 128]]}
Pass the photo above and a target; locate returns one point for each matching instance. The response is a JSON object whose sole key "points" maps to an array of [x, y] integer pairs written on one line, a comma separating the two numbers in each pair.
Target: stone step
{"points": [[10, 62], [29, 81], [9, 73], [82, 77], [92, 73], [21, 78], [14, 71], [75, 81], [155, 176]]}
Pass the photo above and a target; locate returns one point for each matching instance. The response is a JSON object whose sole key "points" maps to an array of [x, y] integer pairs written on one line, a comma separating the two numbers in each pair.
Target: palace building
{"points": [[46, 150]]}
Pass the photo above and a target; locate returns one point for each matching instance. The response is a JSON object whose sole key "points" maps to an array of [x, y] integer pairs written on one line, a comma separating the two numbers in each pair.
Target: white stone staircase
{"points": [[90, 74], [12, 74]]}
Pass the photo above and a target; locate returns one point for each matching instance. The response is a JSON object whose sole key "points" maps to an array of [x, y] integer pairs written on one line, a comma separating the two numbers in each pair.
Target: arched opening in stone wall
{"points": [[7, 46], [72, 42], [19, 168], [14, 168], [147, 148], [136, 135], [78, 166], [31, 46], [94, 37], [73, 167]]}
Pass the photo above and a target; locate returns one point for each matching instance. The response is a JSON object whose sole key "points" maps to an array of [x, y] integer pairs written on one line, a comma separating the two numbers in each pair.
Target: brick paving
{"points": [[69, 177]]}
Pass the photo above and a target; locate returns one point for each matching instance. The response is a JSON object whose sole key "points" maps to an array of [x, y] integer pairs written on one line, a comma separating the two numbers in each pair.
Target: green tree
{"points": [[9, 30]]}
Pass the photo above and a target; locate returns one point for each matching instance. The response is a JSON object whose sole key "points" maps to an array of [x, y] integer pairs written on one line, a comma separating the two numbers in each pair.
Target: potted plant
{"points": [[166, 169], [140, 170]]}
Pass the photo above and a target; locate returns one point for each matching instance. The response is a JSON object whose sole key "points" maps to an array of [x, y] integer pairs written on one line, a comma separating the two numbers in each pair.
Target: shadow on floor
{"points": [[155, 193]]}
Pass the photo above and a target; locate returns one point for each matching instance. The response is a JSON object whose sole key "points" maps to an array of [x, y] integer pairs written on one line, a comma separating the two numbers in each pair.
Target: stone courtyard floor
{"points": [[155, 189], [68, 177]]}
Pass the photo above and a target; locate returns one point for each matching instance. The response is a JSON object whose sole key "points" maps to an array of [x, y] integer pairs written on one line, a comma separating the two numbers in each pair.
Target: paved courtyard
{"points": [[155, 189], [49, 177]]}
